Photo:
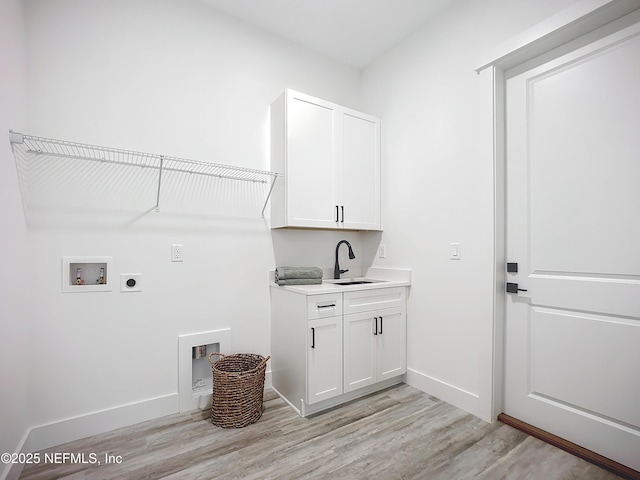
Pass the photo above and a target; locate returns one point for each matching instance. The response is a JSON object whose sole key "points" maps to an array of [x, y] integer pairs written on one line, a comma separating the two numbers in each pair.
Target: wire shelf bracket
{"points": [[66, 149]]}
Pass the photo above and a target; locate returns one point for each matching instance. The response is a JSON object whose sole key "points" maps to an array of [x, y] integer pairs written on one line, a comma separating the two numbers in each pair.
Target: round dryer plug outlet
{"points": [[130, 282]]}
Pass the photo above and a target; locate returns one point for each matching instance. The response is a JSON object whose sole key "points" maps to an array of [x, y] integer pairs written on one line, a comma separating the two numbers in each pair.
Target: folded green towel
{"points": [[289, 273], [300, 281]]}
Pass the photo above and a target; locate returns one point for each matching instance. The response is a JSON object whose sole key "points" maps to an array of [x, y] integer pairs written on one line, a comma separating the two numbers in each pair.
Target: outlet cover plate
{"points": [[177, 252]]}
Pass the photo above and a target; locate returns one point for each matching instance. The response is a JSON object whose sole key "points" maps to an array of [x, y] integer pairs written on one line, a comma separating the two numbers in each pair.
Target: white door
{"points": [[572, 351], [324, 359]]}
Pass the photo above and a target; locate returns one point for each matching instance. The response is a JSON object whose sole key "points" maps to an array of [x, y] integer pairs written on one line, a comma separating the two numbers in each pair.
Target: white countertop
{"points": [[381, 277]]}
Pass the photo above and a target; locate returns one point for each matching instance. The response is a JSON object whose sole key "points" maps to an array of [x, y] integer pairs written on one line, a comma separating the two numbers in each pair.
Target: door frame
{"points": [[583, 22]]}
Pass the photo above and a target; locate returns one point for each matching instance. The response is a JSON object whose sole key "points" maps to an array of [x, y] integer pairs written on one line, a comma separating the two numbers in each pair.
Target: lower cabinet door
{"points": [[392, 343], [324, 359], [375, 347], [359, 351]]}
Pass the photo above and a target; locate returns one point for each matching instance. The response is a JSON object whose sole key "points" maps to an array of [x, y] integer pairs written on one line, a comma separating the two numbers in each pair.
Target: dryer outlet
{"points": [[130, 282]]}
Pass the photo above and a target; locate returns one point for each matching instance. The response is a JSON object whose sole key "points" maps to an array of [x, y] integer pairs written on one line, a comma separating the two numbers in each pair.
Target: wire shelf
{"points": [[32, 145]]}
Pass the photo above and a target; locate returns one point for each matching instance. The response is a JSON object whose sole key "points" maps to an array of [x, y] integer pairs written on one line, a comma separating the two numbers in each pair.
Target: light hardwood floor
{"points": [[399, 433]]}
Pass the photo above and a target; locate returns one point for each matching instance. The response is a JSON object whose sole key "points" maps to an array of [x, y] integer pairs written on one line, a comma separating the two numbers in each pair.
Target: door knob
{"points": [[513, 288]]}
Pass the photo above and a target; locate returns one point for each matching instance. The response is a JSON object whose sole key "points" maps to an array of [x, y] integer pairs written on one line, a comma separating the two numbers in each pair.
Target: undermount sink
{"points": [[348, 281]]}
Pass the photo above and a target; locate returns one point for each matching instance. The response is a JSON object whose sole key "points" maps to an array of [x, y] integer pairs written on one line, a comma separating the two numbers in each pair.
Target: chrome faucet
{"points": [[336, 270]]}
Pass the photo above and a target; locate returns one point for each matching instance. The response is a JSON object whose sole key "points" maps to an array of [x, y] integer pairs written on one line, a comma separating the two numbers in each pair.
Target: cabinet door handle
{"points": [[375, 330], [380, 332], [337, 214], [342, 208], [313, 337]]}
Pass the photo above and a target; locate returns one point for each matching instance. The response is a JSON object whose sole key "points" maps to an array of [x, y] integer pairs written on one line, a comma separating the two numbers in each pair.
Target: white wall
{"points": [[175, 78], [438, 191], [14, 282]]}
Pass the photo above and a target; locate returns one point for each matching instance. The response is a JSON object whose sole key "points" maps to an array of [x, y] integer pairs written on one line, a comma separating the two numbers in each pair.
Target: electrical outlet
{"points": [[176, 252], [382, 251], [130, 282]]}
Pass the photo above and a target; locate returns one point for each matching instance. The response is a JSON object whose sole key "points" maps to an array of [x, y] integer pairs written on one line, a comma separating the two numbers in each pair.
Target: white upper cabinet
{"points": [[330, 158]]}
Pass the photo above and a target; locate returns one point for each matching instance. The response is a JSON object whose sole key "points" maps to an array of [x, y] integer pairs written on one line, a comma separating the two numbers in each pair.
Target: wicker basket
{"points": [[238, 387]]}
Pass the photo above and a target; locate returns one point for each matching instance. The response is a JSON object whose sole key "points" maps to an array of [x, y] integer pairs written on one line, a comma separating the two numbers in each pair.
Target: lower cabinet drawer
{"points": [[375, 299], [324, 306]]}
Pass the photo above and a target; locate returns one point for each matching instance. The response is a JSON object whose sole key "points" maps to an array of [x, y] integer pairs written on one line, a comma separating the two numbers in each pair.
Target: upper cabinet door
{"points": [[360, 171], [330, 158], [311, 165]]}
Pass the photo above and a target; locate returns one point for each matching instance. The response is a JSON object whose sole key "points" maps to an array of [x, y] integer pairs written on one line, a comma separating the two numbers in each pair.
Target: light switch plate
{"points": [[455, 251]]}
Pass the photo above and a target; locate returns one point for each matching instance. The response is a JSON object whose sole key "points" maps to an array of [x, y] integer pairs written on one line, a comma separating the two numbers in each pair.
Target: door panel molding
{"points": [[565, 345], [589, 294]]}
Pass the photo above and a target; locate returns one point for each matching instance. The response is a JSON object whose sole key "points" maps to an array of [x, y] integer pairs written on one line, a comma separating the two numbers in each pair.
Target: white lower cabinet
{"points": [[330, 348], [374, 347]]}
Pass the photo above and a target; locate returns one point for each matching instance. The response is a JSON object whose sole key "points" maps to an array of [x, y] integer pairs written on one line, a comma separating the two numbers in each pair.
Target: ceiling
{"points": [[355, 32]]}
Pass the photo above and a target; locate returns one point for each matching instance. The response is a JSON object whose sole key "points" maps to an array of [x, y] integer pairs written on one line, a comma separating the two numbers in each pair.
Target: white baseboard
{"points": [[56, 433], [63, 431], [451, 394], [267, 380], [293, 407], [13, 471]]}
